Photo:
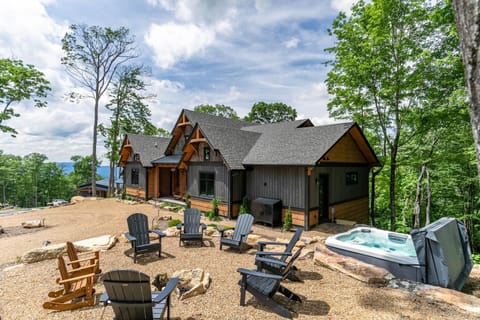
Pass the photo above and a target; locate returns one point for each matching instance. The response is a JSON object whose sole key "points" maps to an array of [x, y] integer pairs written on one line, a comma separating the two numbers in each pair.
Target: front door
{"points": [[322, 183]]}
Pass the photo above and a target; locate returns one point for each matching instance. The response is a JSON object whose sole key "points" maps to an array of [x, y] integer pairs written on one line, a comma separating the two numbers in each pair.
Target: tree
{"points": [[467, 17], [392, 59], [217, 110], [18, 82], [82, 170], [263, 112], [130, 114], [92, 57]]}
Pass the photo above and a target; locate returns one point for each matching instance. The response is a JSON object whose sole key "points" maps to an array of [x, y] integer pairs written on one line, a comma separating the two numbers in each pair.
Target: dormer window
{"points": [[206, 154], [136, 157]]}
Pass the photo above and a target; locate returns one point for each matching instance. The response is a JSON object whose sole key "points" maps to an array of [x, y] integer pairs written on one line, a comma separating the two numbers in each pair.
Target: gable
{"points": [[345, 150]]}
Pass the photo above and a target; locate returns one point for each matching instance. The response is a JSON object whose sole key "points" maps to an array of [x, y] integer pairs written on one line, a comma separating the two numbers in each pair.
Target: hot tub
{"points": [[438, 254], [392, 251]]}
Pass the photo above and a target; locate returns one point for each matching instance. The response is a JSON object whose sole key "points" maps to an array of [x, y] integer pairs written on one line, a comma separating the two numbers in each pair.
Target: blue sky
{"points": [[199, 51]]}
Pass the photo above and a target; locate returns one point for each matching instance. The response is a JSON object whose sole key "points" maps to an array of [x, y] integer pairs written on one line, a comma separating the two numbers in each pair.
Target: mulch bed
{"points": [[16, 231]]}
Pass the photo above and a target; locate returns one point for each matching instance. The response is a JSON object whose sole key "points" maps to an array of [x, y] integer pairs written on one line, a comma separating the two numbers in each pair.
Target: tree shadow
{"points": [[148, 257]]}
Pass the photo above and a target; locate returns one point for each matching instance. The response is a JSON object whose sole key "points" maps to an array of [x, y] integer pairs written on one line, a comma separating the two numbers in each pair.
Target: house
{"points": [[85, 190], [320, 173]]}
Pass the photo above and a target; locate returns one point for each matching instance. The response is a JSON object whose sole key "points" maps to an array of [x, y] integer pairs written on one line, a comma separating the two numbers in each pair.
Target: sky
{"points": [[227, 52]]}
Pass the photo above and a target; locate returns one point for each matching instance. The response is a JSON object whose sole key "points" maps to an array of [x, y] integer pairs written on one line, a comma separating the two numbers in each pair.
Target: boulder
{"points": [[352, 267], [466, 302], [32, 224], [211, 232], [191, 282], [308, 240], [53, 251], [172, 232], [104, 242], [76, 199], [44, 253]]}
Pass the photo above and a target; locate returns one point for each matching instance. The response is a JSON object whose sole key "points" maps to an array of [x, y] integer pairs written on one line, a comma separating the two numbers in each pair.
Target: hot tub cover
{"points": [[444, 253]]}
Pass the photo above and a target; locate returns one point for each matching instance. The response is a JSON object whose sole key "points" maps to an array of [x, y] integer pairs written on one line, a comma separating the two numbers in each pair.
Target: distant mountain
{"points": [[104, 171]]}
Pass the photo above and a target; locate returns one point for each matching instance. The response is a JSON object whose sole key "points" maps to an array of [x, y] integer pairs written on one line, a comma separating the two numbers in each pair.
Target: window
{"points": [[206, 153], [135, 175], [351, 178], [136, 157], [207, 184]]}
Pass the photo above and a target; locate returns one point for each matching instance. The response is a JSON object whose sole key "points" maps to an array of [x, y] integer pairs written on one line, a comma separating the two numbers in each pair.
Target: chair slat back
{"points": [[243, 226], [138, 227], [72, 254], [293, 241], [191, 222], [129, 293]]}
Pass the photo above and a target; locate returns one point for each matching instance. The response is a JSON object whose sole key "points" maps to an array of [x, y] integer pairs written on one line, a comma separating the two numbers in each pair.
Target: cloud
{"points": [[292, 43], [173, 42], [342, 5]]}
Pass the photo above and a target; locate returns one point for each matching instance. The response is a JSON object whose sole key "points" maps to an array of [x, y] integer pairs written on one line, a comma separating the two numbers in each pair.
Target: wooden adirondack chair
{"points": [[86, 258], [129, 293], [77, 289], [240, 233], [191, 229], [264, 286], [138, 235], [276, 262]]}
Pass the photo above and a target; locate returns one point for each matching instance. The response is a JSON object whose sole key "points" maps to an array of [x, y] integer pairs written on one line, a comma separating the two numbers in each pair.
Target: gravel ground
{"points": [[327, 294]]}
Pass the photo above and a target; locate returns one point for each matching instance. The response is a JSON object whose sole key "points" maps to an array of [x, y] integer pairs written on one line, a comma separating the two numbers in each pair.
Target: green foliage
{"points": [[244, 206], [213, 214], [476, 258], [19, 82], [263, 112], [82, 170], [287, 222], [31, 181], [217, 110], [174, 222]]}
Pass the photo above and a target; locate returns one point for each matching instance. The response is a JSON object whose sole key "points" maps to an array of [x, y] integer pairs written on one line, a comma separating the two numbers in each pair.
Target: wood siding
{"points": [[355, 210], [298, 217], [206, 206], [278, 182], [153, 183], [135, 192], [345, 151]]}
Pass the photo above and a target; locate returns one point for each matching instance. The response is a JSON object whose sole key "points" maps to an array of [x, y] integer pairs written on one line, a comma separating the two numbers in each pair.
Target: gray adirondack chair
{"points": [[191, 230], [129, 294], [276, 262], [240, 233], [138, 235], [264, 286]]}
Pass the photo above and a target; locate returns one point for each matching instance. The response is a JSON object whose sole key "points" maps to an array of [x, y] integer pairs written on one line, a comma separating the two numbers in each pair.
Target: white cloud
{"points": [[342, 5], [173, 42], [292, 42]]}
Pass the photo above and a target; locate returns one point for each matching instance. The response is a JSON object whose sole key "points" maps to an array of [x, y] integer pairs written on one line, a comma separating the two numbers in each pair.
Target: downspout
{"points": [[307, 194], [230, 194], [146, 184]]}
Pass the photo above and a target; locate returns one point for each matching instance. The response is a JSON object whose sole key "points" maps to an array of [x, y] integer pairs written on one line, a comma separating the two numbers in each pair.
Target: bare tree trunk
{"points": [[94, 149], [467, 18], [418, 199], [429, 197]]}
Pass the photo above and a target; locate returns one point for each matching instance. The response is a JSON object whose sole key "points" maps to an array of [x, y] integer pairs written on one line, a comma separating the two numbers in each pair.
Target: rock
{"points": [[211, 232], [192, 282], [160, 281], [352, 267], [32, 224], [44, 253], [253, 239], [306, 254], [77, 199], [98, 243], [53, 251], [172, 232], [15, 266], [308, 240], [466, 302]]}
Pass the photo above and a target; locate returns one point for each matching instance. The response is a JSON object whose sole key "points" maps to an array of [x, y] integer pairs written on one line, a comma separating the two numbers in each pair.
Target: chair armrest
{"points": [[157, 232], [271, 261], [245, 235], [179, 226], [222, 230], [130, 237], [161, 295], [81, 260], [204, 226], [262, 244], [267, 253], [254, 273], [74, 279]]}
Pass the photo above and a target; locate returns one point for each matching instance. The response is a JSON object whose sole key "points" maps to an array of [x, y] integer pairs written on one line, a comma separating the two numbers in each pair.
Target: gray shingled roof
{"points": [[148, 147], [233, 144], [284, 144]]}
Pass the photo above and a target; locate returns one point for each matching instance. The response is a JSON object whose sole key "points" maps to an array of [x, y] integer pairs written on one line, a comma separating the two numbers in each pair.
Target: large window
{"points": [[135, 175], [207, 184]]}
